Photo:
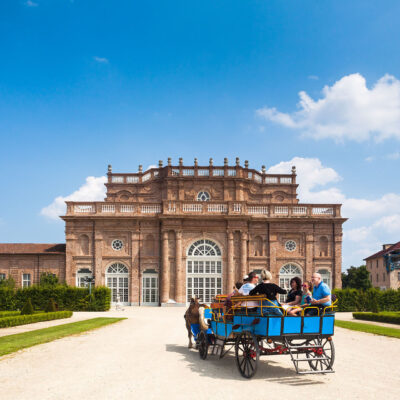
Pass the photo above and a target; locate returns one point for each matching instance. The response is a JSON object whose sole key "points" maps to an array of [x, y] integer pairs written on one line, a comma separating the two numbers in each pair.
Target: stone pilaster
{"points": [[230, 279], [309, 253], [164, 269], [135, 284], [243, 254], [179, 276]]}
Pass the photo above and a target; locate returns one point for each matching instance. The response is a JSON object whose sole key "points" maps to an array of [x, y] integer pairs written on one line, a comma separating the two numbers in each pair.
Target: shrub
{"points": [[27, 309], [390, 317], [67, 298], [48, 279], [51, 306], [9, 313], [367, 300], [7, 283], [30, 319]]}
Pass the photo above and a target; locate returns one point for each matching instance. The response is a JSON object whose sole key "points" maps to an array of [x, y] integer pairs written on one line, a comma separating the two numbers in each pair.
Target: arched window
{"points": [[204, 270], [323, 246], [117, 279], [258, 246], [325, 276], [203, 196], [83, 245], [204, 247], [286, 273]]}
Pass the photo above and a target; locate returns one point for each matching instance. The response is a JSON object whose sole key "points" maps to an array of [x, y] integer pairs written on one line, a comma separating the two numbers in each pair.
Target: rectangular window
{"points": [[2, 276], [398, 276], [377, 277], [26, 280]]}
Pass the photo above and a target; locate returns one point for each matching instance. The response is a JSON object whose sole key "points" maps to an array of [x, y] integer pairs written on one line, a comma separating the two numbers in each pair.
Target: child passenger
{"points": [[305, 299]]}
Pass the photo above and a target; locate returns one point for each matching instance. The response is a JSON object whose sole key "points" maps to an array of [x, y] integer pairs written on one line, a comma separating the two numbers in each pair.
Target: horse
{"points": [[192, 316]]}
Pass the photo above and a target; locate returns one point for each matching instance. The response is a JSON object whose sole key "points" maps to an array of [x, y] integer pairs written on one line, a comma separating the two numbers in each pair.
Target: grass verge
{"points": [[369, 328], [11, 343]]}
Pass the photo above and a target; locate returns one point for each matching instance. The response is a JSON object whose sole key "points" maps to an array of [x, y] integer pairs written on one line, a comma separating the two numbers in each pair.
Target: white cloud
{"points": [[372, 222], [311, 174], [313, 77], [92, 190], [347, 110], [369, 159], [30, 3], [101, 60]]}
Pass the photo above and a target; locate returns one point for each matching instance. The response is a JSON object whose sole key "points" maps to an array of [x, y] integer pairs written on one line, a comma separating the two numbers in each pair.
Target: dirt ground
{"points": [[146, 357]]}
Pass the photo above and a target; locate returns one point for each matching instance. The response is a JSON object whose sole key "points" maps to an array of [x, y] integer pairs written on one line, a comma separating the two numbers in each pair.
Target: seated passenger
{"points": [[270, 290], [305, 299], [294, 296], [228, 301], [250, 282], [321, 295]]}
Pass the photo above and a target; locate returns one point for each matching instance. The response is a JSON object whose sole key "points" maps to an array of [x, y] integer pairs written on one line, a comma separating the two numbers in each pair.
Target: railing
{"points": [[203, 208], [194, 171]]}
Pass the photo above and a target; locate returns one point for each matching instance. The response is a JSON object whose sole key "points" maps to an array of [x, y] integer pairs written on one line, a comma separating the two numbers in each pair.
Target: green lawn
{"points": [[369, 328], [11, 343]]}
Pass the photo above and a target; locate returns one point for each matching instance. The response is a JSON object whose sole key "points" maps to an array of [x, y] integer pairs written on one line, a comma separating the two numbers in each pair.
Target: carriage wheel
{"points": [[203, 345], [247, 354], [321, 358]]}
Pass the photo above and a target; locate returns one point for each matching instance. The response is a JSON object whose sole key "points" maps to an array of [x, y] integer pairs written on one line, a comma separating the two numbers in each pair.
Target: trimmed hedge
{"points": [[30, 319], [390, 317], [66, 298], [368, 300], [9, 313]]}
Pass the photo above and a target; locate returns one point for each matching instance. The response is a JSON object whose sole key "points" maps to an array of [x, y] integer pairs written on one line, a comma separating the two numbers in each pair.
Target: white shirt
{"points": [[245, 290]]}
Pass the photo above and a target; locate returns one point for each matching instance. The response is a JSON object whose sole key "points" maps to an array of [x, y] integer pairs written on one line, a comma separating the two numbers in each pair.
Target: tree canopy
{"points": [[356, 278]]}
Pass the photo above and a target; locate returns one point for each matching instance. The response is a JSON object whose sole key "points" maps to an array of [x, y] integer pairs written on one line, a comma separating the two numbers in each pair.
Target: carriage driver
{"points": [[321, 293]]}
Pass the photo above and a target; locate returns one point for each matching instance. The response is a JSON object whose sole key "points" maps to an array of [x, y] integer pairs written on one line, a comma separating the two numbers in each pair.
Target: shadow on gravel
{"points": [[225, 368]]}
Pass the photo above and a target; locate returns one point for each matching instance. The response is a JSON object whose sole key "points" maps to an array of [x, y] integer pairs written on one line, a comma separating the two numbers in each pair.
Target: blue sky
{"points": [[87, 83]]}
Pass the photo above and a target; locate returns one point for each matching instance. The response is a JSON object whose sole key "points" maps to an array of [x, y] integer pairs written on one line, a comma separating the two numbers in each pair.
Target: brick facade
{"points": [[156, 215]]}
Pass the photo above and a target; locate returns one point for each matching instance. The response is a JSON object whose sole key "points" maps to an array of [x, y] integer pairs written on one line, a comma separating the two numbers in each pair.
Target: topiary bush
{"points": [[51, 306], [27, 309]]}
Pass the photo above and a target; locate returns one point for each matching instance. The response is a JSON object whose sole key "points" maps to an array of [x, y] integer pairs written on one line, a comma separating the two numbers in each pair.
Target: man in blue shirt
{"points": [[321, 292]]}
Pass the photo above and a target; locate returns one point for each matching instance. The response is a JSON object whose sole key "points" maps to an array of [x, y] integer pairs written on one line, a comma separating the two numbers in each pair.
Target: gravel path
{"points": [[146, 357]]}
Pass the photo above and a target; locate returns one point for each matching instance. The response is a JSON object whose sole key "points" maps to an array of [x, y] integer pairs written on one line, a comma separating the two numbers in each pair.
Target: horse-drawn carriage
{"points": [[258, 332]]}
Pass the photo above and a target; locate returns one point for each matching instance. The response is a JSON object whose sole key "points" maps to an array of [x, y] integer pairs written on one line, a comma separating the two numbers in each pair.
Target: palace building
{"points": [[165, 234]]}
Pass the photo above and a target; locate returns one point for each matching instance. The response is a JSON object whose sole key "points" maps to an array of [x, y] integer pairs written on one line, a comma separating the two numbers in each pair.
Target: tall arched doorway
{"points": [[287, 272], [203, 270], [325, 276], [117, 279]]}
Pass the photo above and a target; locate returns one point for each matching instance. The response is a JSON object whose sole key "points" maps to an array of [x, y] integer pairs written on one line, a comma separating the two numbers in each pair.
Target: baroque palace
{"points": [[168, 233]]}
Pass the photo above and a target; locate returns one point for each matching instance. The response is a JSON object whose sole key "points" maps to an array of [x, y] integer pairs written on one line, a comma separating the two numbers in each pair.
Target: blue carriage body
{"points": [[275, 326]]}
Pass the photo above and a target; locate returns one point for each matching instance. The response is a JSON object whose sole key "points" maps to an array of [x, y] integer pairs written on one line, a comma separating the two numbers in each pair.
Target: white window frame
{"points": [[326, 276], [120, 272], [26, 280], [204, 271], [3, 276], [80, 277], [287, 272], [153, 286]]}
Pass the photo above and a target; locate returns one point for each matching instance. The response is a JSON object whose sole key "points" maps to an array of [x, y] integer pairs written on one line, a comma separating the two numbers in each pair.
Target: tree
{"points": [[48, 279], [356, 278]]}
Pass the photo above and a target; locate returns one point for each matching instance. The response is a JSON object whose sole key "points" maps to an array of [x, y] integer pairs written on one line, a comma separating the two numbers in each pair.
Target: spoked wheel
{"points": [[321, 354], [203, 345], [247, 354]]}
